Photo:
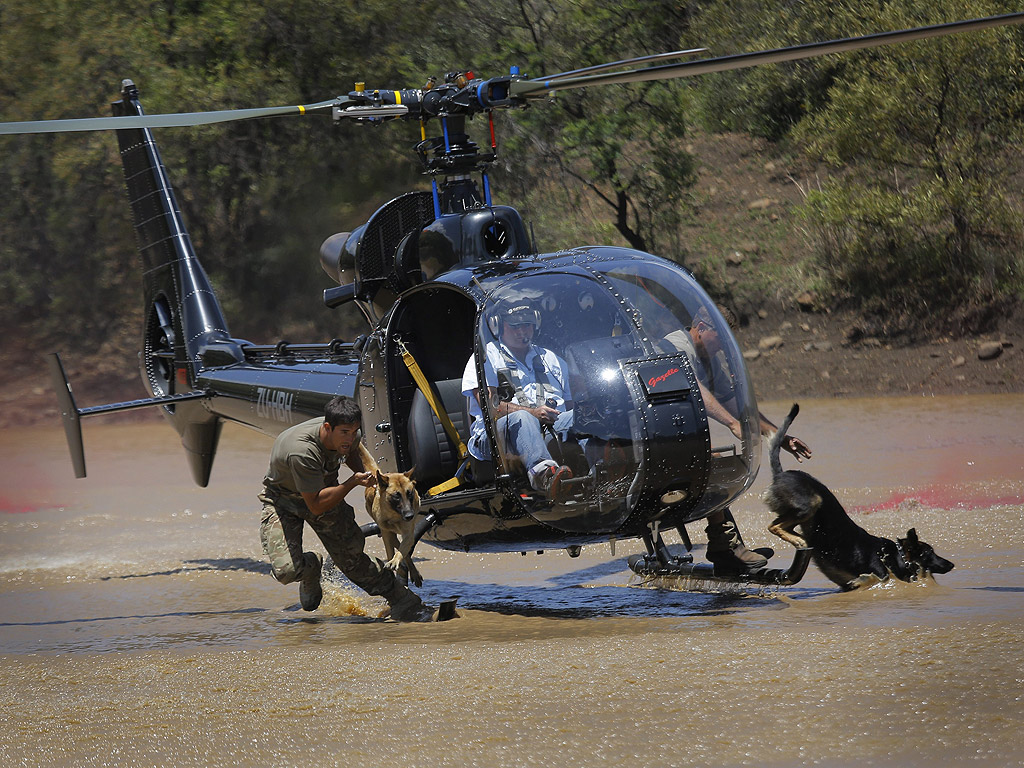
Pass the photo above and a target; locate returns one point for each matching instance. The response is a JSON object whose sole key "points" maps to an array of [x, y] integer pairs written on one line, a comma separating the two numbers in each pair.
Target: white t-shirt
{"points": [[523, 375]]}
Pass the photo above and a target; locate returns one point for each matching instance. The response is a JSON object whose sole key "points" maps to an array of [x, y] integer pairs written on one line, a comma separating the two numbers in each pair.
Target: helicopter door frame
{"points": [[434, 323]]}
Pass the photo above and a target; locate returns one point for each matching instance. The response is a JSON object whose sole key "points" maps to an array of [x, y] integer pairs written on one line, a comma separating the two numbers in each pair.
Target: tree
{"points": [[921, 214], [620, 146], [258, 196], [770, 101]]}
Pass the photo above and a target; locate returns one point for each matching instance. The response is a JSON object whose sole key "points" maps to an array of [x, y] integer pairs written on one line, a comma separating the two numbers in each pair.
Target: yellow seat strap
{"points": [[447, 485], [439, 412]]}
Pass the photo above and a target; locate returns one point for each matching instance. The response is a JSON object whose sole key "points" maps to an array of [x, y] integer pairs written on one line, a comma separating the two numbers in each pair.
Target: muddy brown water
{"points": [[139, 625]]}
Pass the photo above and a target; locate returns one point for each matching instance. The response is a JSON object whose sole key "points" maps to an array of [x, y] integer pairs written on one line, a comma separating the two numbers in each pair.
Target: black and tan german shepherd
{"points": [[845, 552]]}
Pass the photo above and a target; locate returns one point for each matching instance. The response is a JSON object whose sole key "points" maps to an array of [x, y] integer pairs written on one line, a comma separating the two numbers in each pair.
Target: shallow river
{"points": [[139, 625]]}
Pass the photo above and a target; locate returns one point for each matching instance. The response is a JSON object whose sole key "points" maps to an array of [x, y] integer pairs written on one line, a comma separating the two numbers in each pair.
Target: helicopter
{"points": [[430, 272]]}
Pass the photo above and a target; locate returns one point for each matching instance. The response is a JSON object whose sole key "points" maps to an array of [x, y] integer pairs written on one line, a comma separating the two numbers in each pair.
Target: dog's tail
{"points": [[778, 437], [369, 463]]}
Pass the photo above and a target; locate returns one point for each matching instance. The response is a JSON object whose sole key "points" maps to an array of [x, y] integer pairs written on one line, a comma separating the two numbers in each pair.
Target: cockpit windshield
{"points": [[677, 316], [597, 384]]}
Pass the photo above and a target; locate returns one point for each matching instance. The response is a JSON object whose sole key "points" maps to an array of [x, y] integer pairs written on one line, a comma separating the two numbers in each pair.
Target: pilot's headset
{"points": [[514, 312]]}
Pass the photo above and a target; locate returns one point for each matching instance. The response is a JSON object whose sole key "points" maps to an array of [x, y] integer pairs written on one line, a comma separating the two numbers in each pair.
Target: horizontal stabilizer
{"points": [[71, 414]]}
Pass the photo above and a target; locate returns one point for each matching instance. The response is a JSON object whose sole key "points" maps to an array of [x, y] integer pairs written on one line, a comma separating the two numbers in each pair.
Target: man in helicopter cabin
{"points": [[703, 347], [537, 397], [301, 486]]}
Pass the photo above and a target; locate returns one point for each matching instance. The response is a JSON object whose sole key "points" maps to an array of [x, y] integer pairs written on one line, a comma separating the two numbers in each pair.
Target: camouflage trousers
{"points": [[281, 534]]}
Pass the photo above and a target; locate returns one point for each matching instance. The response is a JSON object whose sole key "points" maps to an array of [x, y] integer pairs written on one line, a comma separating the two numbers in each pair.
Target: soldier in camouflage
{"points": [[301, 486]]}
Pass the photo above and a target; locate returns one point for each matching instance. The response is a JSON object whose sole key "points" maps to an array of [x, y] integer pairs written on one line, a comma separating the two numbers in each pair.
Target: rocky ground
{"points": [[792, 355]]}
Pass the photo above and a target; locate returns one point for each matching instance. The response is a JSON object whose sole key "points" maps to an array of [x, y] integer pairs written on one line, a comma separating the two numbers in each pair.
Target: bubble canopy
{"points": [[652, 408]]}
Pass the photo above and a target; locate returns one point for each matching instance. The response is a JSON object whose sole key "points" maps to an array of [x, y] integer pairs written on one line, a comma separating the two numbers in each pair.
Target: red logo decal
{"points": [[656, 380]]}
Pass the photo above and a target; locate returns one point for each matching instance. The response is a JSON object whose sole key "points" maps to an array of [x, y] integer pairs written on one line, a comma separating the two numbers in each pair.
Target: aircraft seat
{"points": [[433, 454]]}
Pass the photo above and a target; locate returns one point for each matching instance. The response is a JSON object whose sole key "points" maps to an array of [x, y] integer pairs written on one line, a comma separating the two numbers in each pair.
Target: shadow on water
{"points": [[578, 594], [593, 573], [246, 564], [324, 619], [580, 601], [565, 595]]}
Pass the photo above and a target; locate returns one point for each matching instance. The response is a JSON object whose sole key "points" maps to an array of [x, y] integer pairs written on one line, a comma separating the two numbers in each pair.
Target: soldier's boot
{"points": [[727, 550], [405, 605], [310, 591]]}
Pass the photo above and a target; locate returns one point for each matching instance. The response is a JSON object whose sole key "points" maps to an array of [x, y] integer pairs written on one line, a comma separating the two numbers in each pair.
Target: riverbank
{"points": [[141, 625], [795, 354]]}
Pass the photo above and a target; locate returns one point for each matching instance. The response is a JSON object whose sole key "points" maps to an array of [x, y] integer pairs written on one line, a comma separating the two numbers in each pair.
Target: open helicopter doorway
{"points": [[429, 336]]}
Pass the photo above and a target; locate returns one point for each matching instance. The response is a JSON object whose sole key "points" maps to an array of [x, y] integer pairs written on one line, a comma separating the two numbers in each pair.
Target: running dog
{"points": [[393, 503], [845, 552]]}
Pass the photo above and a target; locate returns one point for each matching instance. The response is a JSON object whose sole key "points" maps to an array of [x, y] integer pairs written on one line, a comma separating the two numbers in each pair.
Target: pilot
{"points": [[536, 399], [702, 346], [301, 486]]}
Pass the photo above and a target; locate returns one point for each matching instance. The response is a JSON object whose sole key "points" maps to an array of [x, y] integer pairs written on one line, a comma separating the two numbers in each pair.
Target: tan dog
{"points": [[394, 503]]}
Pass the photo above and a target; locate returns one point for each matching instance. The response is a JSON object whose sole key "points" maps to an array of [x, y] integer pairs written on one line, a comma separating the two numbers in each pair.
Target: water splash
{"points": [[342, 599]]}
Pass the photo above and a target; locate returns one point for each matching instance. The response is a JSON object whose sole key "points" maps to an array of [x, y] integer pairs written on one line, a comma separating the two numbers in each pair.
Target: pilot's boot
{"points": [[727, 550]]}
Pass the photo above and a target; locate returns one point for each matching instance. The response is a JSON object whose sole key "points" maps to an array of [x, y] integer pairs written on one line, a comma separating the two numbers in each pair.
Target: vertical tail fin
{"points": [[182, 313]]}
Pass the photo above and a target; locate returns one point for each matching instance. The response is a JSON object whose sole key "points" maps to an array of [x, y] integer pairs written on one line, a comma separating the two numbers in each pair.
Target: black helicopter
{"points": [[428, 271]]}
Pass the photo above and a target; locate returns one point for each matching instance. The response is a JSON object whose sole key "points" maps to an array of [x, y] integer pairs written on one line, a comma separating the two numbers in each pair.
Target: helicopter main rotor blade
{"points": [[624, 63], [179, 120], [540, 87], [475, 97], [371, 111]]}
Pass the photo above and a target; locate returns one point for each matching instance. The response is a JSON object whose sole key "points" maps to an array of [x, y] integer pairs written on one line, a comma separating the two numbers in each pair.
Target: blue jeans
{"points": [[521, 434]]}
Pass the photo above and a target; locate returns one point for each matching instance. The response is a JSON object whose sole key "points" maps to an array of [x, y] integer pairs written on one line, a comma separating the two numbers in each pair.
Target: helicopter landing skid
{"points": [[652, 565]]}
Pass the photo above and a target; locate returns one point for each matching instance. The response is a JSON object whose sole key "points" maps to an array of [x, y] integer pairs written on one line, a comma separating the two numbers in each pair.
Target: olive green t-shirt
{"points": [[299, 462]]}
